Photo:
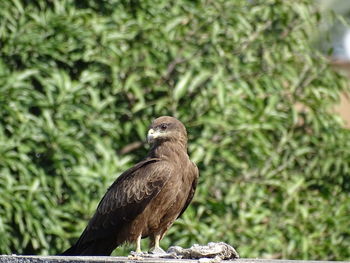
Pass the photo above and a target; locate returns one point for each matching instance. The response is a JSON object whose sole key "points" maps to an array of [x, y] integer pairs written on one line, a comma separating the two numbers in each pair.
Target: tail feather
{"points": [[99, 247], [69, 252]]}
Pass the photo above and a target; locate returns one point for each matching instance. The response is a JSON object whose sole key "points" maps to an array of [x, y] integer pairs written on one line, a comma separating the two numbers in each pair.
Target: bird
{"points": [[145, 200]]}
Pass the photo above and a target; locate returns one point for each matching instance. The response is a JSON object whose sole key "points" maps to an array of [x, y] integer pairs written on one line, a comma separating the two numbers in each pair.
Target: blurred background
{"points": [[262, 87]]}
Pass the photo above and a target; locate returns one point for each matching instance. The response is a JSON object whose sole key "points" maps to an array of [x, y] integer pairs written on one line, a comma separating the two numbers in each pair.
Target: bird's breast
{"points": [[163, 210]]}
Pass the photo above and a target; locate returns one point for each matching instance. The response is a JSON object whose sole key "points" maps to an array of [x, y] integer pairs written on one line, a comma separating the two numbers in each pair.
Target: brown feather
{"points": [[147, 198]]}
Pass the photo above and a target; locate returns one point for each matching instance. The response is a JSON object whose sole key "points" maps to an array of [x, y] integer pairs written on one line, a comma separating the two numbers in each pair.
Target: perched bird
{"points": [[145, 200]]}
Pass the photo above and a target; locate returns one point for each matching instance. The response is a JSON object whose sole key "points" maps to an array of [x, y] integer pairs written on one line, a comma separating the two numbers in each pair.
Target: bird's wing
{"points": [[195, 175], [127, 197]]}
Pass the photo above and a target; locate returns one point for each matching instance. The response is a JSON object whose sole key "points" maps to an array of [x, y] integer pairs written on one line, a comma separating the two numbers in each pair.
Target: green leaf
{"points": [[181, 87]]}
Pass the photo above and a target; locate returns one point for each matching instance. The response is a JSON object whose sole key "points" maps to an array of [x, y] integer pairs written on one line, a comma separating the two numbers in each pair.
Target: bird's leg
{"points": [[138, 244], [137, 255], [156, 249]]}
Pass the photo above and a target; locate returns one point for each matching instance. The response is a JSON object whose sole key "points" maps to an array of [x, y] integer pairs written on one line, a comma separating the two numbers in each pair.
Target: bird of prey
{"points": [[146, 199]]}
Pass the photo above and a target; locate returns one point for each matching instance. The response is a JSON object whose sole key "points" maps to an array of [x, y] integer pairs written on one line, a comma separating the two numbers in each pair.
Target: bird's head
{"points": [[167, 128]]}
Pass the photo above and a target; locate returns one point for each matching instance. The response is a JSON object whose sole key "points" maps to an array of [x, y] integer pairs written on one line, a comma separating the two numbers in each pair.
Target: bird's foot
{"points": [[137, 255], [157, 250]]}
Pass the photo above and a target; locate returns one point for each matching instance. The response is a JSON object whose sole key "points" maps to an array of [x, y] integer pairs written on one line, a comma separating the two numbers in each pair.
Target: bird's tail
{"points": [[100, 247], [69, 252]]}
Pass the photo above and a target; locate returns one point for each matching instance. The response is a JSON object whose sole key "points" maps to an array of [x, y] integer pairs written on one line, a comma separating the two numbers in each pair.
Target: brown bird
{"points": [[145, 200]]}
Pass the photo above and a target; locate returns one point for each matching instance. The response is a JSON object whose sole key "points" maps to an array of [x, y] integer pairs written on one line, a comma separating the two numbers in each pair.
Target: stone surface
{"points": [[80, 259]]}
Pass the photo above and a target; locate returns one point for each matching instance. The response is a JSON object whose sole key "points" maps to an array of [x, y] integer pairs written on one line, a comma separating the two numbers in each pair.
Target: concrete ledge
{"points": [[80, 259]]}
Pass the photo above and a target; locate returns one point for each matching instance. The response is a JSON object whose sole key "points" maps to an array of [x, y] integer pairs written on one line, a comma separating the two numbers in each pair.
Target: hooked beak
{"points": [[151, 135]]}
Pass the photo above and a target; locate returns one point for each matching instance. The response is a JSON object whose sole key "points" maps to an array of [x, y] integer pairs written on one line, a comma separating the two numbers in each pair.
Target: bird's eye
{"points": [[163, 127]]}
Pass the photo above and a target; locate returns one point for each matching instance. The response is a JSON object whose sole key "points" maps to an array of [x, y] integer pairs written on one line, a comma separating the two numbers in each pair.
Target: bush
{"points": [[81, 81]]}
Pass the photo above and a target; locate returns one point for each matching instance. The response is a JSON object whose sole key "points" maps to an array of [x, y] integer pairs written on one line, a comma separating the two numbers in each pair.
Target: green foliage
{"points": [[79, 81]]}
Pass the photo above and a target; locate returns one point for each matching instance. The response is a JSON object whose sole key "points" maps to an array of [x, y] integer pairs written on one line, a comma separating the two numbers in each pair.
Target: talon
{"points": [[157, 250], [136, 255]]}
